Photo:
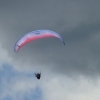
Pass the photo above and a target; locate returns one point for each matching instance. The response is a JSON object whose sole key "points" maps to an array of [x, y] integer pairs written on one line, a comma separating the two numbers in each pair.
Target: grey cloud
{"points": [[77, 21]]}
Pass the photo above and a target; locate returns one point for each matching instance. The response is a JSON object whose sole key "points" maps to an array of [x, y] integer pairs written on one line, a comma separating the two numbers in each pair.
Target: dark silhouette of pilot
{"points": [[38, 75]]}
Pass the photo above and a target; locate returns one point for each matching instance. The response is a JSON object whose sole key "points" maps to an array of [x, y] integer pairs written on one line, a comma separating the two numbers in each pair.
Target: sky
{"points": [[70, 72]]}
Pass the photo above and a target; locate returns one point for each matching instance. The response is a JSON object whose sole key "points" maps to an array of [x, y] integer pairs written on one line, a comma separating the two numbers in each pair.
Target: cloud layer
{"points": [[68, 72]]}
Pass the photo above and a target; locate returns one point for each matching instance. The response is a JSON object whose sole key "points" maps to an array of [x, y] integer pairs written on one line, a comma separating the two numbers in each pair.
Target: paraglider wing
{"points": [[34, 35]]}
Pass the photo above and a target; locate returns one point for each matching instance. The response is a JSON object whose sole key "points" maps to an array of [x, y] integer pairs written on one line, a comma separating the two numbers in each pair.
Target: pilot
{"points": [[38, 75]]}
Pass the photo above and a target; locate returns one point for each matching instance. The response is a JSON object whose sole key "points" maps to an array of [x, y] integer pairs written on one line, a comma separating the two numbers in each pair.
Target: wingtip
{"points": [[63, 42]]}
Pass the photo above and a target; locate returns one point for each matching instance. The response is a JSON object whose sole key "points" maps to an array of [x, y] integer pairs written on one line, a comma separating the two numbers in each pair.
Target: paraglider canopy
{"points": [[34, 35]]}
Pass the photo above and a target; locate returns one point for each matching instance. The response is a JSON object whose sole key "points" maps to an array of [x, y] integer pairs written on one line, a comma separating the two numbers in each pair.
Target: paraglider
{"points": [[34, 35]]}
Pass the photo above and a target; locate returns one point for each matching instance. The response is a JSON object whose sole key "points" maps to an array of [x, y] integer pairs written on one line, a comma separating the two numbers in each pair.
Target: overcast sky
{"points": [[70, 72]]}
